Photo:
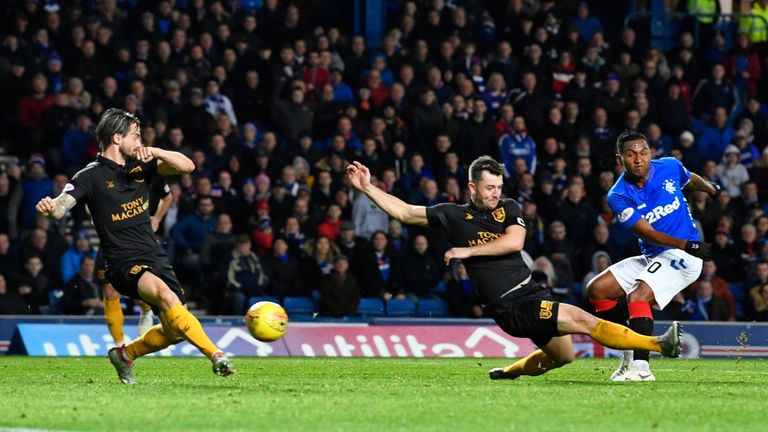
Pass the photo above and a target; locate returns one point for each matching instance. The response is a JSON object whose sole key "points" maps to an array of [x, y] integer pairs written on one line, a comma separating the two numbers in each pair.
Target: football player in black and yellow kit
{"points": [[115, 187]]}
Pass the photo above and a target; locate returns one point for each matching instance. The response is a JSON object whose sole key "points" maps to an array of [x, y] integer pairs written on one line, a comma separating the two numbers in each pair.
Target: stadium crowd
{"points": [[272, 100]]}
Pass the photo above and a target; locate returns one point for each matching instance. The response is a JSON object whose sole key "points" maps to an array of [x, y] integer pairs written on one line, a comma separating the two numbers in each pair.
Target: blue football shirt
{"points": [[660, 201]]}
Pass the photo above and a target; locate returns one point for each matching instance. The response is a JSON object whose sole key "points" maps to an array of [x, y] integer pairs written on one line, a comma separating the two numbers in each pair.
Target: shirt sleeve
{"points": [[514, 213], [685, 175], [78, 187], [437, 215], [626, 212], [149, 168], [160, 188]]}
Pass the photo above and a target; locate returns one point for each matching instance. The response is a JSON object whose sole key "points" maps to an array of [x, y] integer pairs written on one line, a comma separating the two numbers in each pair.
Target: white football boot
{"points": [[626, 360], [639, 370]]}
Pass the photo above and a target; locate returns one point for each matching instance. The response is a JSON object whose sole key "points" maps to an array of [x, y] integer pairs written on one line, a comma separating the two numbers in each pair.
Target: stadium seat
{"points": [[401, 308], [371, 307], [299, 307], [432, 308], [54, 302], [254, 300]]}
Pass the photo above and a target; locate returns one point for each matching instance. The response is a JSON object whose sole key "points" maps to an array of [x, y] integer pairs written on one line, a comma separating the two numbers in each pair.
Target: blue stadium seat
{"points": [[299, 307], [401, 308], [432, 308], [254, 300], [371, 307]]}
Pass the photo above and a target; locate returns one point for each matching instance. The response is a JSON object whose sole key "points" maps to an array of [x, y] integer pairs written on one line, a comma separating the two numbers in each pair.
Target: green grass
{"points": [[300, 394]]}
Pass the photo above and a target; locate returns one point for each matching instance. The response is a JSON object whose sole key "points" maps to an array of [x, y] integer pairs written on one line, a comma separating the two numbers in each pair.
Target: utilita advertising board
{"points": [[363, 340]]}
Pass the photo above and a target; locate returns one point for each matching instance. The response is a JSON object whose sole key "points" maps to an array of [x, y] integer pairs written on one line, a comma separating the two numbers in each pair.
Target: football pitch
{"points": [[319, 394]]}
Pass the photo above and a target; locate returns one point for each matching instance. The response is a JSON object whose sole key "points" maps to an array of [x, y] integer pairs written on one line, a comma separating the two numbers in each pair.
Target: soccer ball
{"points": [[266, 321]]}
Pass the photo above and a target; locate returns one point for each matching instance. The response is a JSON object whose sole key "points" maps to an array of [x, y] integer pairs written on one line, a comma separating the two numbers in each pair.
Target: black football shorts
{"points": [[528, 312], [125, 276]]}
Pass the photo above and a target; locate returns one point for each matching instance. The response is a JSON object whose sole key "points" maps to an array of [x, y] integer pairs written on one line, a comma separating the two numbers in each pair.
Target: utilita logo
{"points": [[661, 211], [405, 341]]}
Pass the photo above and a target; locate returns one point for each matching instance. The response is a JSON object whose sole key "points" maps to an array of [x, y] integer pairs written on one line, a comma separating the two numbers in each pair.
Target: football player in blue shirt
{"points": [[648, 199]]}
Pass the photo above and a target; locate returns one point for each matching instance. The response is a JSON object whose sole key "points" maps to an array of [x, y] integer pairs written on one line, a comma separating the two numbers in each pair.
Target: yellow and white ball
{"points": [[266, 321]]}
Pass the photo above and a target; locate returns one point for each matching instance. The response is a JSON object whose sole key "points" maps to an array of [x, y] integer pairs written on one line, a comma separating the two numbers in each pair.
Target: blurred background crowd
{"points": [[272, 99]]}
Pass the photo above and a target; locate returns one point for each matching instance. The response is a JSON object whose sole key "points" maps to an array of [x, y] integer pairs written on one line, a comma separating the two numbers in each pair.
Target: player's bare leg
{"points": [[603, 291]]}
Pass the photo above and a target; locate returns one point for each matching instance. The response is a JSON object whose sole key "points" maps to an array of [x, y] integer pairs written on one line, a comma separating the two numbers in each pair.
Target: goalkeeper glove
{"points": [[699, 249]]}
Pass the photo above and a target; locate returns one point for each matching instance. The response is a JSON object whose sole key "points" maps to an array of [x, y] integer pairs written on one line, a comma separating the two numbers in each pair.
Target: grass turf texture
{"points": [[378, 394]]}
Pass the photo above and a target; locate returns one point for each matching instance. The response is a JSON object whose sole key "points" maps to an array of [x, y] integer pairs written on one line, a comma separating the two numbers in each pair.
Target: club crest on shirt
{"points": [[499, 215], [669, 186], [137, 174], [110, 184], [626, 214]]}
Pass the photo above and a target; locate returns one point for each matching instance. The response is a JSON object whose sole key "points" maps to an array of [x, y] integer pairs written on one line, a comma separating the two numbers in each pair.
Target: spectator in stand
{"points": [[601, 260], [75, 141], [757, 302], [71, 260], [717, 136], [586, 25], [707, 306], [317, 263], [31, 110], [691, 154], [743, 67], [35, 185], [718, 286], [731, 172], [421, 272], [713, 93], [244, 275], [217, 246], [36, 283], [517, 144], [760, 303], [217, 103], [263, 237], [340, 291], [331, 225], [82, 293], [11, 303], [576, 212], [460, 294], [383, 271], [188, 234]]}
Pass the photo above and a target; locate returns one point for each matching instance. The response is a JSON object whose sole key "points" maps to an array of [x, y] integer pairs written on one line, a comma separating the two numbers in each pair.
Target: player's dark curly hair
{"points": [[114, 121], [484, 163], [627, 136]]}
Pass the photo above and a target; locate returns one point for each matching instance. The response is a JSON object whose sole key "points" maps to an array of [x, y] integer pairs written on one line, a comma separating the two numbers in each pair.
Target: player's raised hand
{"points": [[144, 154], [46, 206], [359, 175]]}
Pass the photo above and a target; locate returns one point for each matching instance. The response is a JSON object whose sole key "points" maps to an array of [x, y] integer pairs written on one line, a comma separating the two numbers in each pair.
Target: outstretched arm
{"points": [[360, 177], [56, 208], [697, 183]]}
